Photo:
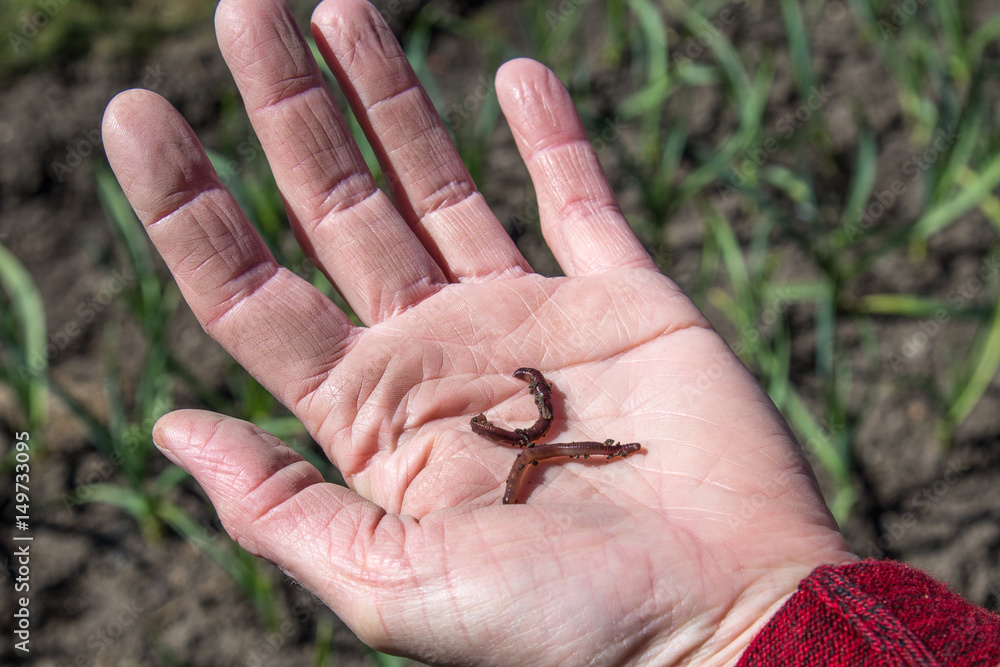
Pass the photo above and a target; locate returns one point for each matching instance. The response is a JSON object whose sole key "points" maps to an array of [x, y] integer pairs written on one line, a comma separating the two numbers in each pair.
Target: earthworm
{"points": [[535, 453], [543, 401], [521, 437], [485, 428], [525, 438]]}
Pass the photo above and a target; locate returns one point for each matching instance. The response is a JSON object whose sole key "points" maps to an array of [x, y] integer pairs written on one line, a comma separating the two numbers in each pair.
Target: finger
{"points": [[277, 506], [431, 186], [277, 326], [344, 222], [581, 221]]}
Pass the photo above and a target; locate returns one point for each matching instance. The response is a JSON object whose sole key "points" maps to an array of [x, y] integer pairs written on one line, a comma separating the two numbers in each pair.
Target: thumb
{"points": [[277, 506]]}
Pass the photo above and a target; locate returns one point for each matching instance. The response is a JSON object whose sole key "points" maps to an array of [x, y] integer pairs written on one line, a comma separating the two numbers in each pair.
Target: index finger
{"points": [[282, 330]]}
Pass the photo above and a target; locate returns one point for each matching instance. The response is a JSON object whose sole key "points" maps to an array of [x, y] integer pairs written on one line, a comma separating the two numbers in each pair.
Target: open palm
{"points": [[675, 555]]}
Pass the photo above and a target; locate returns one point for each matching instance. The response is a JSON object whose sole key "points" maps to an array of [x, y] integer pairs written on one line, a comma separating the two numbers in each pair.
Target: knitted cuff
{"points": [[876, 613]]}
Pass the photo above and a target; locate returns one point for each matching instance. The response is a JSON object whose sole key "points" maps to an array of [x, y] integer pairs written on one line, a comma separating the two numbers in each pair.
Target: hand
{"points": [[678, 554]]}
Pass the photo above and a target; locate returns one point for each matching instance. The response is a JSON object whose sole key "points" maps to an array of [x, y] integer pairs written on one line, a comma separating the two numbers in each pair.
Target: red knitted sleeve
{"points": [[876, 613]]}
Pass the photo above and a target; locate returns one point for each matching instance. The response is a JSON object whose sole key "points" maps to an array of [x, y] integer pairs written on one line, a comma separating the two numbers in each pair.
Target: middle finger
{"points": [[342, 220], [431, 185]]}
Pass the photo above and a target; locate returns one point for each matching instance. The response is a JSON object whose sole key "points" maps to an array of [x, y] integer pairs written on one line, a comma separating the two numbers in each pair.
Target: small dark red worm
{"points": [[543, 401], [482, 426], [533, 454], [521, 437]]}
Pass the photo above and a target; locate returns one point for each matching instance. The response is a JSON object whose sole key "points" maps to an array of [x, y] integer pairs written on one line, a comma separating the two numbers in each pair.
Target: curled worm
{"points": [[522, 437], [543, 401]]}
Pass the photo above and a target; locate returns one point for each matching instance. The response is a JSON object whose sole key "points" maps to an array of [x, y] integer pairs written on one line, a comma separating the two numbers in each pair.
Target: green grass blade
{"points": [[558, 23], [798, 47], [981, 367], [195, 533], [730, 252], [942, 175], [817, 441], [976, 187], [708, 268], [658, 82], [716, 166], [25, 342], [916, 306], [323, 643], [130, 500], [988, 33], [386, 660], [862, 183], [783, 178], [729, 60], [779, 381], [235, 562], [826, 336], [170, 477], [693, 74], [132, 236], [133, 501], [951, 29], [99, 435]]}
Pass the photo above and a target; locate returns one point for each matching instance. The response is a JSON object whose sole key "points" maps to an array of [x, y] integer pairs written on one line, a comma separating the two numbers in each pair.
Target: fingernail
{"points": [[169, 454]]}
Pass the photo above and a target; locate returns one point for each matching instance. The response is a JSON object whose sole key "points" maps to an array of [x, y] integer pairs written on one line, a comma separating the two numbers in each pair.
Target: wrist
{"points": [[727, 632], [763, 600]]}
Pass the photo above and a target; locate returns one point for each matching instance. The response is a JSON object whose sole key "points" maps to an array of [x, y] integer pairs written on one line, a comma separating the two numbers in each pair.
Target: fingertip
{"points": [[524, 74], [516, 68], [353, 37], [330, 13], [127, 111], [536, 104], [233, 18], [321, 15], [112, 113], [153, 152], [225, 11], [179, 432]]}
